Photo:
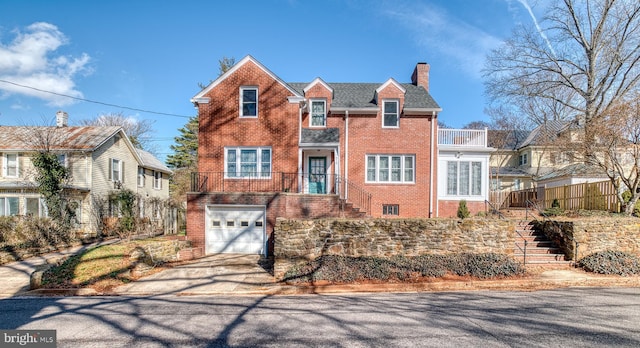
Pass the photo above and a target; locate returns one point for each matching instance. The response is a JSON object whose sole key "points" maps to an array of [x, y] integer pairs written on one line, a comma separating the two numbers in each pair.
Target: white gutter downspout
{"points": [[346, 154], [431, 170], [300, 159]]}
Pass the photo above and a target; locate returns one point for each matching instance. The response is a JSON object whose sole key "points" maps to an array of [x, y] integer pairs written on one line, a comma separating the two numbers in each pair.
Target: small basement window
{"points": [[215, 223], [244, 223], [231, 223], [390, 209], [259, 223]]}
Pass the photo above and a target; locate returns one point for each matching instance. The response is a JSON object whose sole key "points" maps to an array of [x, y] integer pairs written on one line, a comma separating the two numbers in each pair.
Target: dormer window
{"points": [[391, 115], [248, 101], [318, 113]]}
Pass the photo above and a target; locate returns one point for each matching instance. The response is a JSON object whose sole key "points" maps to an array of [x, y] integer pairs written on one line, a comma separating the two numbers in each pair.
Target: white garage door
{"points": [[235, 229]]}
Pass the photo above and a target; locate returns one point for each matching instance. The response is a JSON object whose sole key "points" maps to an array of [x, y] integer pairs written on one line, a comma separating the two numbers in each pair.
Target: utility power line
{"points": [[95, 101]]}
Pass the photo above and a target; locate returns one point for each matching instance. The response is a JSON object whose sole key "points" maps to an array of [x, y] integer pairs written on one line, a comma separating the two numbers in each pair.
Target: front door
{"points": [[317, 175]]}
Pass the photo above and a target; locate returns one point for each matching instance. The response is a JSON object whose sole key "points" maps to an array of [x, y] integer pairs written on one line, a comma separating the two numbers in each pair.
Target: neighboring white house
{"points": [[101, 160]]}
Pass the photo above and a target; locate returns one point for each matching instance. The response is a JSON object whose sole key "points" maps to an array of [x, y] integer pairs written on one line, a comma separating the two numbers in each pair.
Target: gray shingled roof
{"points": [[320, 136], [28, 138], [362, 95], [150, 161]]}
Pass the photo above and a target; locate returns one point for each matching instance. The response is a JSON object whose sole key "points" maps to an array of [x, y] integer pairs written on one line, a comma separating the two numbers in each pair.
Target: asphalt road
{"points": [[578, 317]]}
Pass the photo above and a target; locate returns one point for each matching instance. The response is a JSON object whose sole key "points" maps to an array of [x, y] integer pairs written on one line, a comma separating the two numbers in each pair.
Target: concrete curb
{"points": [[530, 284]]}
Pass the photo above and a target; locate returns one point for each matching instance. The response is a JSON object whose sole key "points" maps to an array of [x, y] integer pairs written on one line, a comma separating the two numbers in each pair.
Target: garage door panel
{"points": [[235, 229]]}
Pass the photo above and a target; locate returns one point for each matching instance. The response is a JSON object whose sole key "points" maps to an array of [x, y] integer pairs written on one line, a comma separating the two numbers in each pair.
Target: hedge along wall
{"points": [[594, 234], [298, 241]]}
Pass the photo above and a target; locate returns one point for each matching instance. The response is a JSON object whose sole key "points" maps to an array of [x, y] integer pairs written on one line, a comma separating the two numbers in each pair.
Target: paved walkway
{"points": [[15, 277]]}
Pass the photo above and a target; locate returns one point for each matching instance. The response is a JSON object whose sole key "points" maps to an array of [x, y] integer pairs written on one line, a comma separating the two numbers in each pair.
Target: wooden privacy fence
{"points": [[586, 196]]}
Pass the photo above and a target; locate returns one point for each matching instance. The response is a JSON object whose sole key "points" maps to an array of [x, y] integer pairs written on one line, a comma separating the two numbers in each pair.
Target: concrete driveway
{"points": [[215, 274]]}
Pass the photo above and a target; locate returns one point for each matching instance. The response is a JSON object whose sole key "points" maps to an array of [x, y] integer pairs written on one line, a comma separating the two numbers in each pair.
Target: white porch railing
{"points": [[462, 137]]}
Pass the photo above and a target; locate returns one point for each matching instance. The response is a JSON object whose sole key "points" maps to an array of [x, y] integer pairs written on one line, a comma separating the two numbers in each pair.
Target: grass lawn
{"points": [[101, 268]]}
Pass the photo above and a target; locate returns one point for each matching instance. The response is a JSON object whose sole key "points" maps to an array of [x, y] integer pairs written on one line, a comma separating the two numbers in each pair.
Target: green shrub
{"points": [[611, 262], [463, 211]]}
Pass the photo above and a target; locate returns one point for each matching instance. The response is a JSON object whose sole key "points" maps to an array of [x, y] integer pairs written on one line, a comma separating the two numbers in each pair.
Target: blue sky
{"points": [[151, 55]]}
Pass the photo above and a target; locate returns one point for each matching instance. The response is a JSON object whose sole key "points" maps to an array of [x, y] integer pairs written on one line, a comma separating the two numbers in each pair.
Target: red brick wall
{"points": [[413, 137], [277, 205], [275, 126], [450, 208]]}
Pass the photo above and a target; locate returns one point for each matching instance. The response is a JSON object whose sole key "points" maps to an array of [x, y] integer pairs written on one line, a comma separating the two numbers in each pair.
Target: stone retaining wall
{"points": [[298, 241], [594, 234]]}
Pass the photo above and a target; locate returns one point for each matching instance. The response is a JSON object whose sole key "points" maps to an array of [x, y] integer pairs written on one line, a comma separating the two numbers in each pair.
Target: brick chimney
{"points": [[420, 76], [62, 119]]}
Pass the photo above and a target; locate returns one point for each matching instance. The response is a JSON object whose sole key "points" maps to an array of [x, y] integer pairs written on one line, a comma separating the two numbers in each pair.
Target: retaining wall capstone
{"points": [[299, 241]]}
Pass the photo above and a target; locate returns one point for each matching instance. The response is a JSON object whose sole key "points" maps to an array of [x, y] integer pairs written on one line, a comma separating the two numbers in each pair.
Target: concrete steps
{"points": [[539, 249]]}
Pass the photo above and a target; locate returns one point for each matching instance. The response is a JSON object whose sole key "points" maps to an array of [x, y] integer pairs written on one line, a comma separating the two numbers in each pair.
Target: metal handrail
{"points": [[281, 182], [494, 210]]}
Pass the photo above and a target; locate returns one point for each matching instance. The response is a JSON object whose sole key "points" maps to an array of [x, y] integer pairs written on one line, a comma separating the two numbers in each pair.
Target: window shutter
{"points": [[122, 171], [110, 169]]}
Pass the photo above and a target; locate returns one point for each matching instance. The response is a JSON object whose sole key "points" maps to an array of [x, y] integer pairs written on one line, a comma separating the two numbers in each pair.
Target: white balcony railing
{"points": [[462, 137]]}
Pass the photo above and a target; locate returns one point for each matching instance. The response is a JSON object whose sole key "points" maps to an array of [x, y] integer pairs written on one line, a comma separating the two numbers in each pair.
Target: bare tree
{"points": [[582, 59], [584, 55], [618, 149], [138, 131]]}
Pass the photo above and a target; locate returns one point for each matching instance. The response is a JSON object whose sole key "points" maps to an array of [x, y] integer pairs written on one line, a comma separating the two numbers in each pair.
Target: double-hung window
{"points": [[10, 165], [140, 177], [248, 162], [157, 180], [248, 101], [464, 178], [391, 168], [9, 206], [116, 169], [391, 114], [318, 113], [522, 159]]}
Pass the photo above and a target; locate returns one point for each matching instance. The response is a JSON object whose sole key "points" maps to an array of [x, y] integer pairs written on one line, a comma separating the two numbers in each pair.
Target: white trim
{"points": [[241, 109], [229, 208], [357, 111], [120, 173], [315, 82], [421, 111], [391, 100], [5, 165], [157, 182], [391, 81], [237, 66], [377, 169], [238, 163], [141, 176], [324, 103]]}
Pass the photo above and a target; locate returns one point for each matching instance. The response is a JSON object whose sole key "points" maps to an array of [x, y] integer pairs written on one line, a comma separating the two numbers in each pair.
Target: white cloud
{"points": [[464, 45], [31, 60]]}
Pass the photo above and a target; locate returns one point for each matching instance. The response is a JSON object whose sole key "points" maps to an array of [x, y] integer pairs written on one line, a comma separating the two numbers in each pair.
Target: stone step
{"points": [[542, 243], [541, 258]]}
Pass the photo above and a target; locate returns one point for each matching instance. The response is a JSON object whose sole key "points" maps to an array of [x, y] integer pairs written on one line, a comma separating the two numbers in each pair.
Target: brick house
{"points": [[269, 148]]}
